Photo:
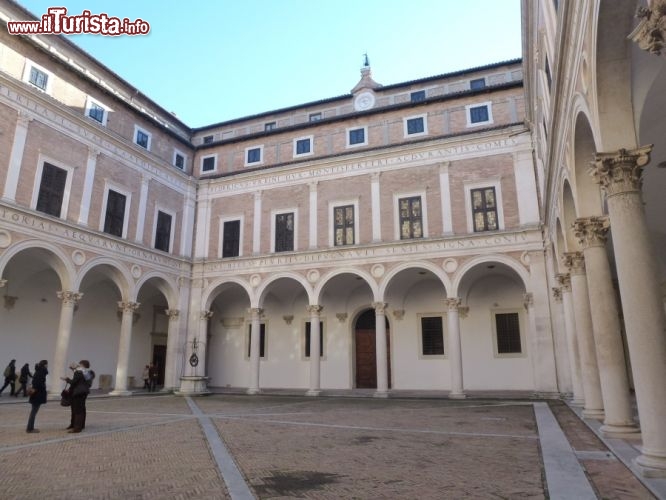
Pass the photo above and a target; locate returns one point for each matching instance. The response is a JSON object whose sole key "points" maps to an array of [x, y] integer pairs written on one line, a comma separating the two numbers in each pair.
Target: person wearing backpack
{"points": [[80, 384], [23, 380], [10, 378]]}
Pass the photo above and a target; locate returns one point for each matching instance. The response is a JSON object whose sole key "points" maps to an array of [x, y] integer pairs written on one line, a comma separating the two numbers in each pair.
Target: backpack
{"points": [[8, 372]]}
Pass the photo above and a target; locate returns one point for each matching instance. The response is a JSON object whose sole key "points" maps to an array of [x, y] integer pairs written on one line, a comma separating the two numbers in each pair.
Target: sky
{"points": [[214, 60]]}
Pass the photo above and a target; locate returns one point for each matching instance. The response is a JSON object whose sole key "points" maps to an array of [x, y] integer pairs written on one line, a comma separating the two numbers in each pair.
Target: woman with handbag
{"points": [[79, 388], [38, 396]]}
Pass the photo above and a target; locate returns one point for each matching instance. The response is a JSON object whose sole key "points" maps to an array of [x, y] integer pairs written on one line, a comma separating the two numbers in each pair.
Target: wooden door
{"points": [[366, 359], [159, 360]]}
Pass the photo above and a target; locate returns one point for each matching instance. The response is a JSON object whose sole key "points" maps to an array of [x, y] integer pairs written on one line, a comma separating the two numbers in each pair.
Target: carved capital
{"points": [[398, 314], [557, 294], [93, 153], [172, 314], [3, 283], [342, 317], [288, 318], [205, 315], [255, 312], [564, 279], [128, 307], [650, 33], [23, 119], [315, 309], [452, 304], [380, 307], [463, 311], [574, 262], [528, 300], [591, 231], [69, 298], [621, 171]]}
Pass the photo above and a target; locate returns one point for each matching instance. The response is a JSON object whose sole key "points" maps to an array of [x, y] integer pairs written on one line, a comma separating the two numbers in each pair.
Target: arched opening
{"points": [[365, 350]]}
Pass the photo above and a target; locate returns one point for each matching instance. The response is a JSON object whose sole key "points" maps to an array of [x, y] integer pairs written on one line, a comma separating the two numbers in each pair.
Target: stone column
{"points": [[255, 352], [202, 343], [382, 354], [591, 234], [619, 175], [314, 311], [69, 300], [455, 348], [128, 309], [172, 350], [593, 407], [572, 343], [16, 157]]}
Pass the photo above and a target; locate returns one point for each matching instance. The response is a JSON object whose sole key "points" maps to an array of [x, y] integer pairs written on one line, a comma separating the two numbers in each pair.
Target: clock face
{"points": [[363, 101]]}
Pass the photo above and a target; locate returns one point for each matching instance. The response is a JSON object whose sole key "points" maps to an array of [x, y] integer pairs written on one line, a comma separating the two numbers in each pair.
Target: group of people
{"points": [[10, 379], [78, 389], [150, 375]]}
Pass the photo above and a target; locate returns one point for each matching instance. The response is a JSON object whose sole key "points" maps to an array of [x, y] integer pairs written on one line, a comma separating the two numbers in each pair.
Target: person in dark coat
{"points": [[154, 373], [10, 378], [23, 380], [79, 388], [38, 398]]}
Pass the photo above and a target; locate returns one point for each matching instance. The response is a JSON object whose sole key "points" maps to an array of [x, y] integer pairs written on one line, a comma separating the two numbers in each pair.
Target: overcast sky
{"points": [[210, 61]]}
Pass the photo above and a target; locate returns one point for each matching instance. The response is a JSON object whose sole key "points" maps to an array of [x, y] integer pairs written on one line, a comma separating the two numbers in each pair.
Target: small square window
{"points": [[303, 146], [39, 78], [415, 126], [270, 126], [478, 114], [207, 139], [357, 136], [96, 112], [142, 138], [478, 84], [179, 161], [418, 96], [315, 117], [208, 163], [253, 155]]}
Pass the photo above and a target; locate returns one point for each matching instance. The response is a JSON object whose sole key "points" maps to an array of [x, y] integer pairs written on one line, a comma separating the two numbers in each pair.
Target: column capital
{"points": [[312, 309], [172, 314], [313, 185], [3, 283], [620, 171], [463, 311], [23, 119], [557, 294], [380, 307], [255, 311], [564, 279], [591, 231], [528, 300], [374, 176], [93, 153], [69, 297], [650, 32], [205, 315], [452, 303], [128, 307], [574, 262]]}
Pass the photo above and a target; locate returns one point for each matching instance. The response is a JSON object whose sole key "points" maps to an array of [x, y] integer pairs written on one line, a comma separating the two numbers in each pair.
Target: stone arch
{"points": [[116, 272], [587, 192], [163, 283], [516, 266], [367, 277], [208, 295], [433, 268], [263, 287], [53, 256], [568, 216]]}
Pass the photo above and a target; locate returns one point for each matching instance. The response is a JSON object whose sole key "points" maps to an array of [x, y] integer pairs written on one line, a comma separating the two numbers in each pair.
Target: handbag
{"points": [[66, 397]]}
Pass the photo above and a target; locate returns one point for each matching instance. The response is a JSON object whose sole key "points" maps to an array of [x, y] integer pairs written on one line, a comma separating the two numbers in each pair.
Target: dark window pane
{"points": [[208, 139], [114, 219], [484, 209], [96, 113], [411, 225], [208, 164], [478, 114], [479, 83], [357, 136], [284, 232], [508, 333], [432, 335], [307, 339], [418, 96], [253, 155], [270, 126], [343, 218], [38, 78], [262, 341], [180, 161], [315, 117], [302, 146], [142, 139], [415, 126], [51, 190], [163, 232], [231, 239]]}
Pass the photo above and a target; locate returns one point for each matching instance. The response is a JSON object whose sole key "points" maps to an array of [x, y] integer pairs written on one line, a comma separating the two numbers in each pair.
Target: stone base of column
{"points": [[313, 392], [120, 392], [621, 431], [594, 413], [651, 465], [251, 391], [380, 394], [457, 395], [193, 386]]}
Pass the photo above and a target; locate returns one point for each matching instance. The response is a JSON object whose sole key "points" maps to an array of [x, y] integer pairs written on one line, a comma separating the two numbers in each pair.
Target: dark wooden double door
{"points": [[366, 351]]}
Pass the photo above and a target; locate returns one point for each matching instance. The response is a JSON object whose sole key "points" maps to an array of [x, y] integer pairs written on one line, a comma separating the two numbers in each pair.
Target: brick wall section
{"points": [[286, 198], [8, 118], [344, 189], [221, 208]]}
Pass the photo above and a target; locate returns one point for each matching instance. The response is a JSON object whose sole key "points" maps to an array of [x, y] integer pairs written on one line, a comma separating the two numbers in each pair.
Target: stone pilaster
{"points": [[620, 176], [455, 355]]}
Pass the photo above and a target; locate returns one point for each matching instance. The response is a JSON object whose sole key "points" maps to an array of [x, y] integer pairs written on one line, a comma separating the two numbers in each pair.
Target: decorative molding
{"points": [[128, 307], [69, 298], [380, 307], [564, 279], [314, 308], [621, 171], [574, 262], [255, 311], [452, 303], [288, 318], [463, 312], [205, 315], [650, 33], [398, 314], [342, 317], [557, 294], [528, 300], [591, 231], [172, 314]]}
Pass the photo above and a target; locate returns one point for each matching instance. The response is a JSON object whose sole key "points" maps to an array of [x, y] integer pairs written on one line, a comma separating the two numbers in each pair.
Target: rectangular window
{"points": [[179, 161], [484, 209], [270, 126], [114, 218], [231, 239], [478, 84], [411, 214], [418, 96], [253, 155], [163, 231], [357, 136], [262, 341], [343, 225], [208, 163], [478, 114], [39, 78], [307, 339], [51, 190], [284, 232], [432, 336], [415, 126], [303, 146], [315, 117], [142, 138], [96, 112], [507, 327], [207, 139]]}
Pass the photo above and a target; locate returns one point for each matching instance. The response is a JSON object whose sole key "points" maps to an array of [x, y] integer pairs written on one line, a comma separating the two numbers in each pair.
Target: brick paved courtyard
{"points": [[293, 447]]}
